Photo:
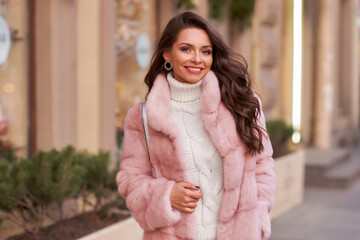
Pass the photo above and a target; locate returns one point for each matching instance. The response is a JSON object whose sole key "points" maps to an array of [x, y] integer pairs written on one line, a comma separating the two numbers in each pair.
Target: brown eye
{"points": [[207, 52]]}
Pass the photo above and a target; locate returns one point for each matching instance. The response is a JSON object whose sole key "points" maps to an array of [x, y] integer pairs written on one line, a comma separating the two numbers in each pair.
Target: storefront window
{"points": [[13, 76], [135, 39]]}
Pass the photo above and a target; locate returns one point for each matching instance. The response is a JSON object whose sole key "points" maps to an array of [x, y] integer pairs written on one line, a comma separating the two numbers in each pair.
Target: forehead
{"points": [[193, 36]]}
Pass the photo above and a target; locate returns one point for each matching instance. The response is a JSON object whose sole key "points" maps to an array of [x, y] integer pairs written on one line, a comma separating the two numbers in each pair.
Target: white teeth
{"points": [[195, 69]]}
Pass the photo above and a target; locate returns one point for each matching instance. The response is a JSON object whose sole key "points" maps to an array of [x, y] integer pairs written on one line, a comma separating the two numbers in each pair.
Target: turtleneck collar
{"points": [[183, 92]]}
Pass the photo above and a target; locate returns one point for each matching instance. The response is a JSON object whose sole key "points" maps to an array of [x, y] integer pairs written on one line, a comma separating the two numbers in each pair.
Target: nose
{"points": [[196, 58]]}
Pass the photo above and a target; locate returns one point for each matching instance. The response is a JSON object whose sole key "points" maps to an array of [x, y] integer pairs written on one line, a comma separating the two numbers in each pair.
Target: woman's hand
{"points": [[183, 197]]}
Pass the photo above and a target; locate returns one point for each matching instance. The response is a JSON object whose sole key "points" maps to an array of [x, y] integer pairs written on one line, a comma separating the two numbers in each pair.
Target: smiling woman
{"points": [[208, 144]]}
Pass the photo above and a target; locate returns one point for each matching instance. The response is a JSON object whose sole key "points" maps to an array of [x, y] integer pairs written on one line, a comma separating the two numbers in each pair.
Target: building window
{"points": [[14, 76], [135, 37]]}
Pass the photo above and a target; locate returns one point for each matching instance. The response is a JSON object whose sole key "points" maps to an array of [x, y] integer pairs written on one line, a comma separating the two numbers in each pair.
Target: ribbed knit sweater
{"points": [[202, 158]]}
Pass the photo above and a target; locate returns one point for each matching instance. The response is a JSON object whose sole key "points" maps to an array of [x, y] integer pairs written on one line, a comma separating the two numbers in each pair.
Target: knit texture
{"points": [[202, 158]]}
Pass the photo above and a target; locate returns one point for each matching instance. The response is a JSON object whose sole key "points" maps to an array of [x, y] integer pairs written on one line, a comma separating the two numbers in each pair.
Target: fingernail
{"points": [[197, 187]]}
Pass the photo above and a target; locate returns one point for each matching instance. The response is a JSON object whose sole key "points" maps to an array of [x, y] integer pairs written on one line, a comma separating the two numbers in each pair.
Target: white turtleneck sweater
{"points": [[203, 161]]}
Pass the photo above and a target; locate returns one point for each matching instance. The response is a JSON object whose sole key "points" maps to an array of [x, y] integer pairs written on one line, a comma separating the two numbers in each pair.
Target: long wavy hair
{"points": [[231, 70]]}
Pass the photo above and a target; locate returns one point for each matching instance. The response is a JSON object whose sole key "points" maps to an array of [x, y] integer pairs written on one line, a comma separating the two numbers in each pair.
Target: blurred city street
{"points": [[326, 213], [330, 214], [70, 71]]}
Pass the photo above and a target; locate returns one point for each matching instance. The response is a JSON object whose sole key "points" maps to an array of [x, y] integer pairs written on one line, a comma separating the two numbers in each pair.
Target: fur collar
{"points": [[218, 121], [158, 103]]}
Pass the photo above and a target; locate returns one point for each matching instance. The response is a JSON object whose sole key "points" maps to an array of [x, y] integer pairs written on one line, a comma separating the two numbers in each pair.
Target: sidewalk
{"points": [[325, 214]]}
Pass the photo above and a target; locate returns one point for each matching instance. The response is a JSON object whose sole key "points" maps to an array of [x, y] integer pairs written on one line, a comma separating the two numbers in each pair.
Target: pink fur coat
{"points": [[249, 181]]}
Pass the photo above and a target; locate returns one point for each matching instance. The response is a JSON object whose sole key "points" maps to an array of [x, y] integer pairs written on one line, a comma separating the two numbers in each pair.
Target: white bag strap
{"points": [[147, 136]]}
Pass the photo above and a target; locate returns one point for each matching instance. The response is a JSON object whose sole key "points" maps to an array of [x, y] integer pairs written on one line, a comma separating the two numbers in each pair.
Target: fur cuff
{"points": [[264, 221], [160, 212]]}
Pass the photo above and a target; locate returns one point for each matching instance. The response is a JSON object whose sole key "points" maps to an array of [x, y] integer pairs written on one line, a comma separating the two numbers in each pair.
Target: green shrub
{"points": [[280, 134], [98, 179], [29, 188]]}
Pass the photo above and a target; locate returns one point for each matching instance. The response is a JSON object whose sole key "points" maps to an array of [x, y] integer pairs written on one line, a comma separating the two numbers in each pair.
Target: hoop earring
{"points": [[167, 65]]}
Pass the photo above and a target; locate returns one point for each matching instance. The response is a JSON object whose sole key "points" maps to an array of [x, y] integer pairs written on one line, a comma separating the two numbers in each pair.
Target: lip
{"points": [[191, 69]]}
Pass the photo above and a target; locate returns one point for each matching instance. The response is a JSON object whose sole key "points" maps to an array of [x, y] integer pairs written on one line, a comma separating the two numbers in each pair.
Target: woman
{"points": [[208, 144]]}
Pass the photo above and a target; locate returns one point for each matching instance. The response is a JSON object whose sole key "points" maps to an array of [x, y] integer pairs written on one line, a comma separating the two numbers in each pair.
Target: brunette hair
{"points": [[233, 76]]}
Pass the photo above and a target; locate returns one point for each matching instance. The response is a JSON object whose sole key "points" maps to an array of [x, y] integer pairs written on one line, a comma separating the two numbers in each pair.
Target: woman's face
{"points": [[191, 55]]}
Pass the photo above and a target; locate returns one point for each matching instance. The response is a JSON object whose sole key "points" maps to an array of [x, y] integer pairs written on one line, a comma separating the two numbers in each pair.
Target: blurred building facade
{"points": [[331, 72], [76, 67]]}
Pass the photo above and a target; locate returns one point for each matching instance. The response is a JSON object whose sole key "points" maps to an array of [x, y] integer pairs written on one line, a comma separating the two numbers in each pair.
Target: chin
{"points": [[194, 80]]}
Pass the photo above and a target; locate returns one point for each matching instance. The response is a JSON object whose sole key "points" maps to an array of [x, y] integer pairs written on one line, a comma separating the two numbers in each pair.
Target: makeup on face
{"points": [[191, 55]]}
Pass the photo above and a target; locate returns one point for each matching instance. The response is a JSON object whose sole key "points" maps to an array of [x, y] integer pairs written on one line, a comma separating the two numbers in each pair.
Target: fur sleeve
{"points": [[265, 178], [147, 198]]}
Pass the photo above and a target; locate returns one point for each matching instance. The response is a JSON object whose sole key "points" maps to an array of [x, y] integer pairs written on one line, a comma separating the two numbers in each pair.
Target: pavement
{"points": [[325, 214]]}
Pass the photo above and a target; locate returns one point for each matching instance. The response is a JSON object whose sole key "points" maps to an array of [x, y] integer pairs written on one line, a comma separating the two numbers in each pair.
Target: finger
{"points": [[192, 194], [189, 210], [189, 205], [186, 209], [190, 186], [189, 199]]}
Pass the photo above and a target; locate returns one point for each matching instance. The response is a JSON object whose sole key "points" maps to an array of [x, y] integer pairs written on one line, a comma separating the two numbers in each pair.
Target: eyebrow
{"points": [[188, 44]]}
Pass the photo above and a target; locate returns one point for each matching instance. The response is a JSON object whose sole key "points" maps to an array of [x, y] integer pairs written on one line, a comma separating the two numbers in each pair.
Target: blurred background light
{"points": [[9, 88], [297, 66]]}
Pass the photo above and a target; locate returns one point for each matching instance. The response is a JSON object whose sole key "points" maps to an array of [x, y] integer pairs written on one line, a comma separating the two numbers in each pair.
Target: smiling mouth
{"points": [[194, 70]]}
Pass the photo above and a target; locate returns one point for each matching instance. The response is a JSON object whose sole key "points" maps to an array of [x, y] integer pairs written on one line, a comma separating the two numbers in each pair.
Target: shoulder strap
{"points": [[147, 136]]}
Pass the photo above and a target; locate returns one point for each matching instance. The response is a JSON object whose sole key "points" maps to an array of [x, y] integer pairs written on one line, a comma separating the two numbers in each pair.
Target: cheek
{"points": [[177, 63], [179, 58], [209, 63]]}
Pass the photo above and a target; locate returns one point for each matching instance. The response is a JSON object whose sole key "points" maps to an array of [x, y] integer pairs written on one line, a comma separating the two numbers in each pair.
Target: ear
{"points": [[166, 56]]}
